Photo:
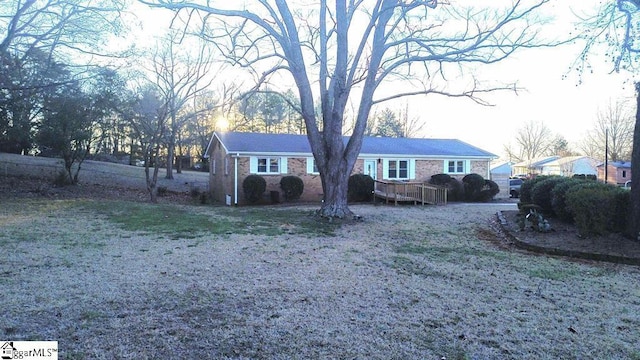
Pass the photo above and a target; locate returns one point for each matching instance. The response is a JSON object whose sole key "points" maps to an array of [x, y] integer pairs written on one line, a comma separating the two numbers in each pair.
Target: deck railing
{"points": [[416, 192]]}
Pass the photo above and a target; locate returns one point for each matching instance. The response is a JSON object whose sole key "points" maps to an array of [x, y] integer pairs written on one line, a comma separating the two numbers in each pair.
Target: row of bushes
{"points": [[472, 188], [254, 187], [594, 207]]}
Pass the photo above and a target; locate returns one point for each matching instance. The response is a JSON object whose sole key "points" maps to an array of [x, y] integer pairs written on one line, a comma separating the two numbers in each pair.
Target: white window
{"points": [[213, 166], [400, 169], [268, 165], [456, 166], [312, 168]]}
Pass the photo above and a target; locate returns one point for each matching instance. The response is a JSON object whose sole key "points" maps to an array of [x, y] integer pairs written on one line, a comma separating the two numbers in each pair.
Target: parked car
{"points": [[514, 187]]}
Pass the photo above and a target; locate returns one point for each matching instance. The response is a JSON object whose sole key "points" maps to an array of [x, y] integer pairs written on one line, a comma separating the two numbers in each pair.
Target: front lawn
{"points": [[114, 279]]}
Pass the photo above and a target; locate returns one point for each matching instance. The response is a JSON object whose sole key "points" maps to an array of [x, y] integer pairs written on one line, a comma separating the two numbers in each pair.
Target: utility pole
{"points": [[606, 155]]}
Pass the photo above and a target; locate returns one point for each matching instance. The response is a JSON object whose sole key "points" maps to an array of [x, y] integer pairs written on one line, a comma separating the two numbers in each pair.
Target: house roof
{"points": [[618, 164], [568, 160], [260, 143], [536, 162]]}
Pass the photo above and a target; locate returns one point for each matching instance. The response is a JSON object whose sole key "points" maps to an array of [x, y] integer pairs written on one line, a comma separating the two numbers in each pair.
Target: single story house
{"points": [[618, 172], [571, 165], [532, 167], [235, 155]]}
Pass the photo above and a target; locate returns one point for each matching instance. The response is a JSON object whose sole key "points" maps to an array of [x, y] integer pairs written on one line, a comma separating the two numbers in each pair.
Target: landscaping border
{"points": [[562, 252]]}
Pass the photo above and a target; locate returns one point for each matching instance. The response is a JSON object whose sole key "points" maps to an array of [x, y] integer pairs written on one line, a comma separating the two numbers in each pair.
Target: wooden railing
{"points": [[416, 192]]}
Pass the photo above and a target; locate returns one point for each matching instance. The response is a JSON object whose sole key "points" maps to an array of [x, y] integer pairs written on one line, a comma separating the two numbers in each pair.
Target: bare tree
{"points": [[532, 140], [180, 76], [58, 27], [148, 120], [613, 129], [353, 49]]}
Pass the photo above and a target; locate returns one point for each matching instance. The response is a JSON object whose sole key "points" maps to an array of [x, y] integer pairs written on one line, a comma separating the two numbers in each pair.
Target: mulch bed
{"points": [[564, 240]]}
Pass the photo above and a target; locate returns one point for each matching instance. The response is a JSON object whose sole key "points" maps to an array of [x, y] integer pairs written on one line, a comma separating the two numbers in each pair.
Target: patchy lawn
{"points": [[115, 279]]}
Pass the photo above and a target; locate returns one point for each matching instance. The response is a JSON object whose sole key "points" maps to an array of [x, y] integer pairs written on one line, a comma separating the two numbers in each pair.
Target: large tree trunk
{"points": [[335, 186], [634, 221]]}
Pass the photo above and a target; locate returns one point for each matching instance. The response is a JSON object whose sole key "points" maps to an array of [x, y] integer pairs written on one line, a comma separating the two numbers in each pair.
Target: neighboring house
{"points": [[235, 155], [532, 167], [571, 165], [500, 174], [618, 172]]}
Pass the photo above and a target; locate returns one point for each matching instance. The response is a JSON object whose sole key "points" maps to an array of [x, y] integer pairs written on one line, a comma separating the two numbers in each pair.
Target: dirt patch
{"points": [[564, 240]]}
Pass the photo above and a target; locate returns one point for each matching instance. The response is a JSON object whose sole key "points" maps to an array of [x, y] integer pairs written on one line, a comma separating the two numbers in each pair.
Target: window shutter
{"points": [[309, 165], [283, 165], [445, 167], [385, 169], [253, 165], [412, 169], [467, 166]]}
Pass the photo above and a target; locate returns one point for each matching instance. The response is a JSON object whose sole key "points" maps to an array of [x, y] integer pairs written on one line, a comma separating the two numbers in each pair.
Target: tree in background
{"points": [[613, 129], [532, 140], [148, 118], [71, 117], [180, 76], [349, 50], [394, 124], [36, 38]]}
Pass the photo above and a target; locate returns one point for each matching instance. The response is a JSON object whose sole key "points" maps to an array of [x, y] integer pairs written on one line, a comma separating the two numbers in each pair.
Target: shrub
{"points": [[455, 190], [541, 192], [292, 186], [591, 208], [598, 208], [254, 187], [527, 186], [162, 190], [360, 188], [473, 184], [489, 191], [558, 198]]}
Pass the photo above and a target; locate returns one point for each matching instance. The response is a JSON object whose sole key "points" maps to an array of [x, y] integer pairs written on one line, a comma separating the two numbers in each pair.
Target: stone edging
{"points": [[562, 252]]}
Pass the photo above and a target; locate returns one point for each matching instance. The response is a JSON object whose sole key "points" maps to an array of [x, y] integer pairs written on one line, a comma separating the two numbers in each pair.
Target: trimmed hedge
{"points": [[541, 192], [558, 198], [254, 187], [473, 184], [292, 186], [455, 190], [360, 188]]}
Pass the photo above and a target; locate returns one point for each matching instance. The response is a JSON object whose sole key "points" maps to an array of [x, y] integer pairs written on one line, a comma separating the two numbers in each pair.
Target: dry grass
{"points": [[407, 282]]}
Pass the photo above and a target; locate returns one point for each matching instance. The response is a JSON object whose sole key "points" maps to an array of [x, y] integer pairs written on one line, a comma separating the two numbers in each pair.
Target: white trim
{"points": [[466, 166], [385, 169], [254, 167], [311, 162]]}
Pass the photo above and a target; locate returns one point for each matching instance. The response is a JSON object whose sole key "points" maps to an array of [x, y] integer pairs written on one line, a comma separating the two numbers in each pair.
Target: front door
{"points": [[370, 168]]}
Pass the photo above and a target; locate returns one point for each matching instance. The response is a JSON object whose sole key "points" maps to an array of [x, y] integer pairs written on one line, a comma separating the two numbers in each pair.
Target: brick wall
{"points": [[222, 184]]}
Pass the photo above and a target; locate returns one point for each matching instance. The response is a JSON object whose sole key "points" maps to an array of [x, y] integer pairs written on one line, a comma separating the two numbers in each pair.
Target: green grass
{"points": [[185, 222]]}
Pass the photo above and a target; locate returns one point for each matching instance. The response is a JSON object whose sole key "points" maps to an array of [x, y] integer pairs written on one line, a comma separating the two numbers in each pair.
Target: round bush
{"points": [[455, 190], [254, 187], [527, 186], [541, 192], [292, 186], [360, 188], [489, 191], [473, 184]]}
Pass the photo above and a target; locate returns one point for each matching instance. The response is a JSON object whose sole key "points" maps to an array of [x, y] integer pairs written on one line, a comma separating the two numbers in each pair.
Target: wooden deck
{"points": [[415, 192]]}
